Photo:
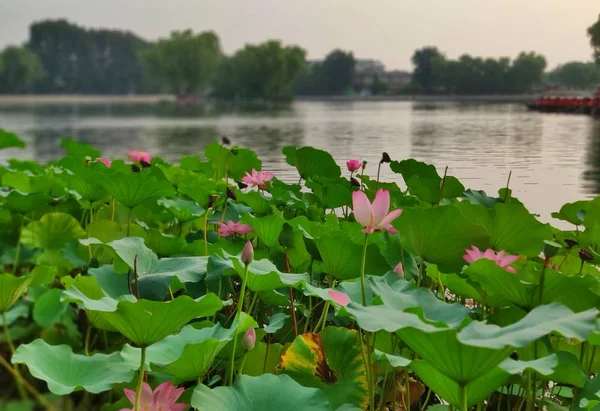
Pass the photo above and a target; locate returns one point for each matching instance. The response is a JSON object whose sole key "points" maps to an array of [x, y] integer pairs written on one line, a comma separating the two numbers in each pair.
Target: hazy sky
{"points": [[388, 30]]}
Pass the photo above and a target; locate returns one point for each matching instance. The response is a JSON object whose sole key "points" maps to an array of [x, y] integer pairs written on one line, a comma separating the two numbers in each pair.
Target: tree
{"points": [[78, 60], [186, 62], [19, 69], [594, 34], [526, 72], [575, 74], [265, 71], [336, 74], [423, 60]]}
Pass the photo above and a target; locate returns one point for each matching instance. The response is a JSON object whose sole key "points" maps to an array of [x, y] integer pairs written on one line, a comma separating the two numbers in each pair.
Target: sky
{"points": [[387, 30]]}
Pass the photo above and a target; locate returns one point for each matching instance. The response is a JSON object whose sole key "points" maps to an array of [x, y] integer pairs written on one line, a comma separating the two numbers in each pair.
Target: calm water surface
{"points": [[554, 158]]}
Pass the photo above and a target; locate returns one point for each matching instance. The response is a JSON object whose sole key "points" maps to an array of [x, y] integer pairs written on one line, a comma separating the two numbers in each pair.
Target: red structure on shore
{"points": [[574, 105]]}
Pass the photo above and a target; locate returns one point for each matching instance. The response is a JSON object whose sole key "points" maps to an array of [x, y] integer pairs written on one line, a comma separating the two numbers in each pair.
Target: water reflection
{"points": [[554, 158]]}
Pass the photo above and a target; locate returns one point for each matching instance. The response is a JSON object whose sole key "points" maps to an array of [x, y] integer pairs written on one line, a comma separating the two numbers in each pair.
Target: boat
{"points": [[565, 104]]}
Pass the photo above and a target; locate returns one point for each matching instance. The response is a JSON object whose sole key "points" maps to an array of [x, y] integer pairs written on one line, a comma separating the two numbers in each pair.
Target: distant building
{"points": [[369, 71]]}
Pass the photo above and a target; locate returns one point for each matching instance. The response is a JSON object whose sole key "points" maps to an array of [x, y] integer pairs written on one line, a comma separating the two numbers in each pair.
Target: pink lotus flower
{"points": [[353, 165], [249, 339], [398, 269], [374, 216], [504, 261], [104, 161], [163, 398], [339, 297], [139, 156], [230, 228], [258, 178]]}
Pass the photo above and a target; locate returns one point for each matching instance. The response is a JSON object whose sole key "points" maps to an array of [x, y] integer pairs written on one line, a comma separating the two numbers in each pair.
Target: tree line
{"points": [[63, 58]]}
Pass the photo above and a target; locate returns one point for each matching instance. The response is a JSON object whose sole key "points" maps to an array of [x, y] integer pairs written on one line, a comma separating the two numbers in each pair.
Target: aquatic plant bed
{"points": [[142, 285]]}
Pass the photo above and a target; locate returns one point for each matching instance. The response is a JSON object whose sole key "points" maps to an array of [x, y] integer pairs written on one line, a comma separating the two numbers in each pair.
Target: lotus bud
{"points": [[550, 248], [225, 141], [235, 150], [570, 243], [585, 255], [355, 182], [241, 185], [88, 160], [249, 339], [364, 164], [248, 253], [399, 269], [385, 158]]}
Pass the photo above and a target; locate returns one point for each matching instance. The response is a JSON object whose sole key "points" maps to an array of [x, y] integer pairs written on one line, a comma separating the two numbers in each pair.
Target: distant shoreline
{"points": [[59, 99]]}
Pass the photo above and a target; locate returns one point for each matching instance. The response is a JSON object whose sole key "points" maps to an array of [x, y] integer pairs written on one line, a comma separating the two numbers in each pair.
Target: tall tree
{"points": [[337, 72], [78, 60], [576, 74], [265, 71], [526, 72], [187, 62], [594, 34], [423, 60], [19, 69]]}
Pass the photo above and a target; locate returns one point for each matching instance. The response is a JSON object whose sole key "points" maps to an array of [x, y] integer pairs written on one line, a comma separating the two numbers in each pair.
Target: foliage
{"points": [[19, 69], [264, 71], [594, 34], [185, 61], [476, 75], [80, 60], [335, 75], [576, 74], [112, 277]]}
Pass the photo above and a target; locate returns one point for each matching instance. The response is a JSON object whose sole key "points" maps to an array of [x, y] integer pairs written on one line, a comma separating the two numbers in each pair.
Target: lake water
{"points": [[554, 158]]}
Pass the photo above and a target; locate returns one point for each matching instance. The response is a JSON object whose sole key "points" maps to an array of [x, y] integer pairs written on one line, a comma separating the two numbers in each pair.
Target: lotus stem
{"points": [[129, 221], [86, 347], [22, 381], [11, 346], [463, 398], [507, 184], [18, 249], [205, 233], [238, 313], [362, 272], [407, 389], [378, 170], [365, 349], [138, 391], [322, 319], [442, 186], [291, 293], [541, 284]]}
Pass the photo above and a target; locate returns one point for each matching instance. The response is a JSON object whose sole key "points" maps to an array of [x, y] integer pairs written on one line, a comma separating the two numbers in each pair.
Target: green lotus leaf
{"points": [[131, 190], [440, 235], [155, 276], [480, 197], [424, 182], [451, 391], [164, 245], [11, 289], [183, 210], [543, 366], [83, 181], [568, 370], [331, 193], [268, 391], [331, 361], [65, 372], [262, 274], [8, 140], [395, 361], [342, 257], [267, 228], [23, 203], [510, 226], [49, 308], [77, 149], [242, 161], [144, 322], [276, 322], [189, 354], [573, 213], [259, 202], [52, 231], [402, 296], [311, 162], [539, 322]]}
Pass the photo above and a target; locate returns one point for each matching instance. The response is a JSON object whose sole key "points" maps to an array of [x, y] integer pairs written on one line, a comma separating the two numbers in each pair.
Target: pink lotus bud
{"points": [[353, 165], [249, 339], [398, 269], [339, 297], [248, 253]]}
